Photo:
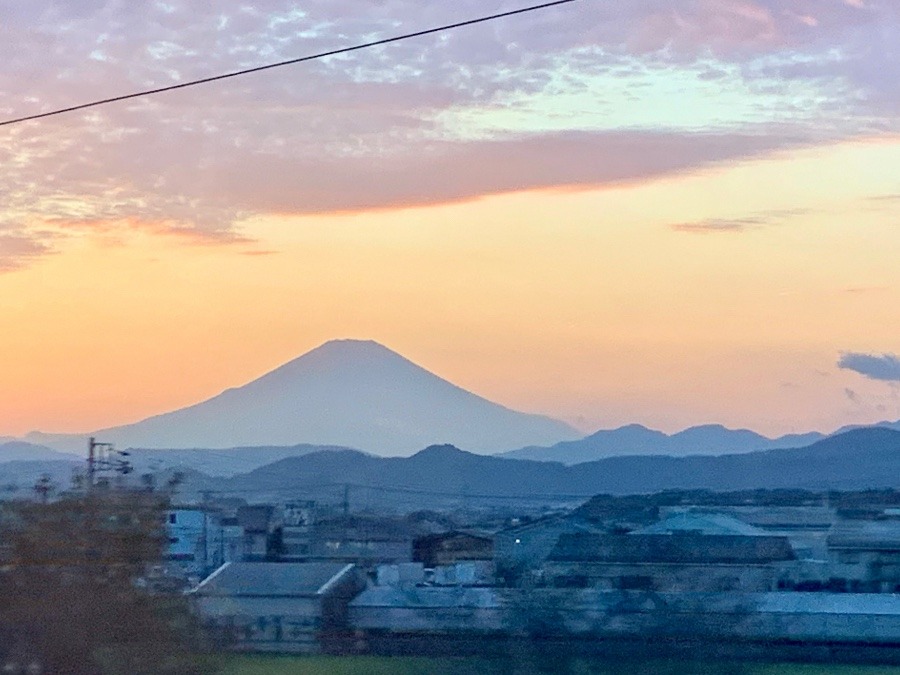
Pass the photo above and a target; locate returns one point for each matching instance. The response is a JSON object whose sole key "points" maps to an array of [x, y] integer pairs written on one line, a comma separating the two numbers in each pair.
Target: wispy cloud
{"points": [[716, 225], [883, 367], [862, 290]]}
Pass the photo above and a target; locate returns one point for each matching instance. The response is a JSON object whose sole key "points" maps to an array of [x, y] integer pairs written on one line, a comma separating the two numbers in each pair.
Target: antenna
{"points": [[103, 458]]}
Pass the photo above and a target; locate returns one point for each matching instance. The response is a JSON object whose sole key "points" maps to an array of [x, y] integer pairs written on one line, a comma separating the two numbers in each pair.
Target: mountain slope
{"points": [[634, 439], [864, 458], [348, 393]]}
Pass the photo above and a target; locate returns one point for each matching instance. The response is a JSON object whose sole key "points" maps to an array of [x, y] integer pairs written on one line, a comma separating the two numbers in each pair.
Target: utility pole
{"points": [[42, 488], [103, 457], [205, 532], [92, 445]]}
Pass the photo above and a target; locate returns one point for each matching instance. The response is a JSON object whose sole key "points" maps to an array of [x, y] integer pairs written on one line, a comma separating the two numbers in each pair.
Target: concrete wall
{"points": [[803, 617], [266, 624]]}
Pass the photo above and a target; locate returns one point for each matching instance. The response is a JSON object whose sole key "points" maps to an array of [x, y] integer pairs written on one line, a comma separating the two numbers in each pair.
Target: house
{"points": [[522, 549], [447, 548], [864, 555], [279, 607], [672, 563]]}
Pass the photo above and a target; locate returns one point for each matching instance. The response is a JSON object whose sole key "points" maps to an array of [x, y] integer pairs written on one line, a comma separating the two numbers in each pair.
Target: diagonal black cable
{"points": [[312, 57]]}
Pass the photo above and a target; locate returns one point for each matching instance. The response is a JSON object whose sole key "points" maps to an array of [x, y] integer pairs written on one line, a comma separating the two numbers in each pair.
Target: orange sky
{"points": [[601, 307], [606, 212]]}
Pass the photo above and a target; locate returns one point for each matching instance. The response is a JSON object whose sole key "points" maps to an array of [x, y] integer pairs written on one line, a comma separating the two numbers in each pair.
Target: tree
{"points": [[76, 593]]}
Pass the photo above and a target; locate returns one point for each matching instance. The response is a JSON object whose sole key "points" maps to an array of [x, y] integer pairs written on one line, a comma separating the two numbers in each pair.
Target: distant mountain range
{"points": [[219, 462], [360, 394], [634, 439], [441, 475], [21, 464], [19, 451], [351, 393]]}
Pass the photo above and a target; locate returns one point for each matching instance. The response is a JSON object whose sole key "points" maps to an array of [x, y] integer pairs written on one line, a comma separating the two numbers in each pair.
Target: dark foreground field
{"points": [[538, 664]]}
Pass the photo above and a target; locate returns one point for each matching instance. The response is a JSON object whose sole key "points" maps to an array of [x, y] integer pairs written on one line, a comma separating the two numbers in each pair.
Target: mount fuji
{"points": [[350, 393]]}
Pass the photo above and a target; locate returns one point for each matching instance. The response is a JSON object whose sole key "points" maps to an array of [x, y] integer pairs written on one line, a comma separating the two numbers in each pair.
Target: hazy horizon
{"points": [[339, 342]]}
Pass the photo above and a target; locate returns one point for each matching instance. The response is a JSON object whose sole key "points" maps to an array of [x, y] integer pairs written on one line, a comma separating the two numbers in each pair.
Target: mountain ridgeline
{"points": [[634, 439], [857, 459]]}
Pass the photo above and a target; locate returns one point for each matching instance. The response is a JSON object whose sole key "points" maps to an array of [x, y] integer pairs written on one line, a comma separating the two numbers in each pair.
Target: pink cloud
{"points": [[360, 133], [17, 250]]}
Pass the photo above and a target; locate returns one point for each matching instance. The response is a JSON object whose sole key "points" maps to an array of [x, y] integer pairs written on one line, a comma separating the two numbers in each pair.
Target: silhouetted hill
{"points": [[635, 439], [863, 458], [19, 451], [350, 393]]}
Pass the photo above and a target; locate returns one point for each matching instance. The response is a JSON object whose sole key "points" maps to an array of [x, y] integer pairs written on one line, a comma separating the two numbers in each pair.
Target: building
{"points": [[805, 526], [522, 549], [701, 523], [362, 540], [229, 546], [193, 542], [279, 607], [295, 533], [258, 524], [744, 625], [447, 548], [672, 563], [864, 555]]}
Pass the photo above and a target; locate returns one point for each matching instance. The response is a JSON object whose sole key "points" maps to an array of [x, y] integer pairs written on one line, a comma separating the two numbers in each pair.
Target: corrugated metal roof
{"points": [[830, 603], [702, 523], [261, 579]]}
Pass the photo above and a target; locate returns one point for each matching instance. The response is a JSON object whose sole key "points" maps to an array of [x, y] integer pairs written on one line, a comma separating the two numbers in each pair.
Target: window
{"points": [[172, 518]]}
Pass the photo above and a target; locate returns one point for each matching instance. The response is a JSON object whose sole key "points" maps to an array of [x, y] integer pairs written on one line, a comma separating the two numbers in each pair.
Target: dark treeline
{"points": [[80, 593]]}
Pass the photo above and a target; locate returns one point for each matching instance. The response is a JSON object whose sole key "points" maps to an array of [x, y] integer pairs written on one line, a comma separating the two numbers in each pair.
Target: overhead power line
{"points": [[289, 62]]}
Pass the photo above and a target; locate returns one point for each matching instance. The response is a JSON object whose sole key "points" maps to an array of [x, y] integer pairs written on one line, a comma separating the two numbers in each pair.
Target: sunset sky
{"points": [[662, 212]]}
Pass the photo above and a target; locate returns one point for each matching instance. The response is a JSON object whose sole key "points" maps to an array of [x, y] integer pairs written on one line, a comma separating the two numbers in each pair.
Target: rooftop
{"points": [[262, 579], [687, 548], [702, 523]]}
